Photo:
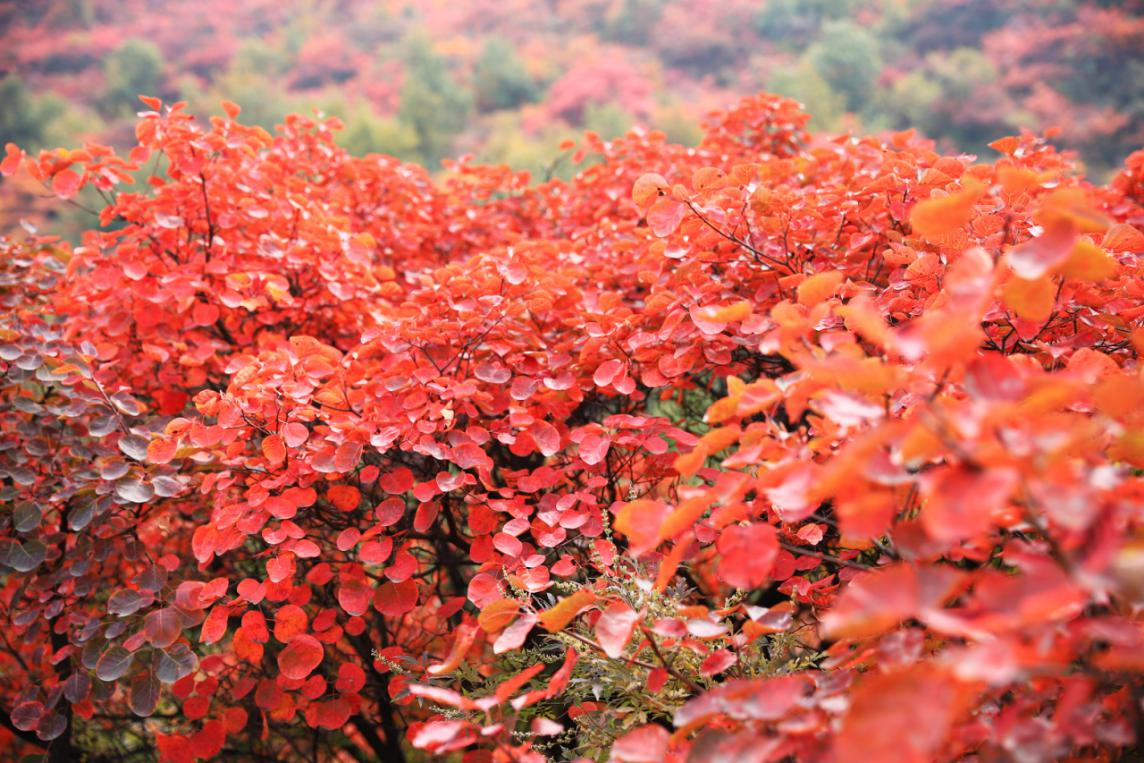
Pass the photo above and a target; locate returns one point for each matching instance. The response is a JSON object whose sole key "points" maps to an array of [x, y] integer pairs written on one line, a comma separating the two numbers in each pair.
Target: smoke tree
{"points": [[786, 446]]}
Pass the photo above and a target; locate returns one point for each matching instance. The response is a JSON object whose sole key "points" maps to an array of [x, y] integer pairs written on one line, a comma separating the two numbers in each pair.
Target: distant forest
{"points": [[509, 80]]}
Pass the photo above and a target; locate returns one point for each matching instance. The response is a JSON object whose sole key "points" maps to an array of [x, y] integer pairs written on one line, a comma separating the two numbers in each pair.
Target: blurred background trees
{"points": [[511, 79]]}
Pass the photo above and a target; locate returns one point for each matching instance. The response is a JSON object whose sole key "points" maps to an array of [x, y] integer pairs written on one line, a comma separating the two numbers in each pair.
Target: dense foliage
{"points": [[781, 447]]}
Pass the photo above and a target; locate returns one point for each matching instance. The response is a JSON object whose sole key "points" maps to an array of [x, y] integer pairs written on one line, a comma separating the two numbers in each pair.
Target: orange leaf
{"points": [[461, 644], [669, 565], [1006, 145], [819, 287], [684, 516], [737, 311], [704, 177], [273, 449], [497, 615], [555, 618], [864, 319], [1039, 255], [510, 687], [1073, 207], [939, 215], [719, 438], [1088, 262], [161, 451], [689, 463], [647, 189], [1031, 300], [344, 497], [1123, 238]]}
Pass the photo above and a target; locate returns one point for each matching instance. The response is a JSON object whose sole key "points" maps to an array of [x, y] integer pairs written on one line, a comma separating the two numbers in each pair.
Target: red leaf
{"points": [[162, 627], [351, 678], [959, 502], [289, 621], [665, 216], [214, 626], [301, 656], [280, 567], [873, 603], [196, 708], [717, 662], [461, 644], [747, 554], [344, 497], [594, 449], [546, 436], [647, 744], [1039, 255], [442, 696], [354, 596], [903, 717], [614, 628], [12, 159], [507, 544], [438, 734], [483, 588], [295, 434], [514, 635], [395, 599], [330, 715], [607, 371], [66, 183]]}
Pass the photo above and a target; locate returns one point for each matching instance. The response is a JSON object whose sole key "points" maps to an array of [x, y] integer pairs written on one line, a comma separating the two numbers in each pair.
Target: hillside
{"points": [[508, 80]]}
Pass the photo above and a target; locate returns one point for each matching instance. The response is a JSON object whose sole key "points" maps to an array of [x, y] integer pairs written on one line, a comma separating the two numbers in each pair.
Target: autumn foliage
{"points": [[785, 447]]}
